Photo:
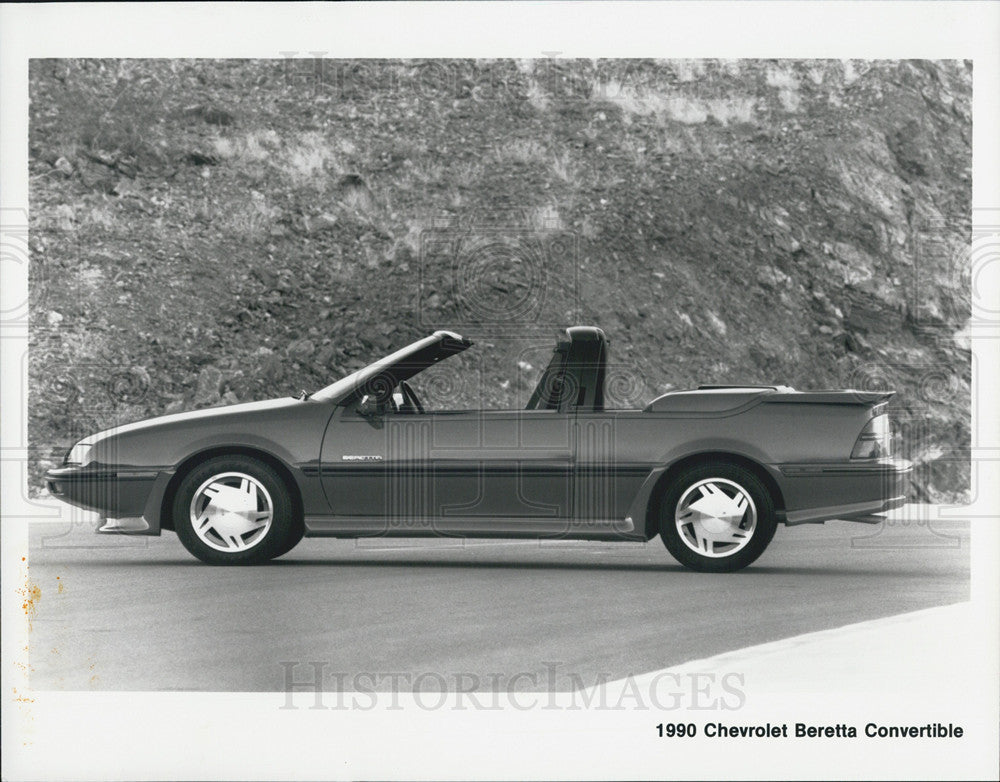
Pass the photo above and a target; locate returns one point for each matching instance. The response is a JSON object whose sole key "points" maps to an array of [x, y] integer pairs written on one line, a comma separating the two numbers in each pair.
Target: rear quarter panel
{"points": [[768, 433], [645, 445]]}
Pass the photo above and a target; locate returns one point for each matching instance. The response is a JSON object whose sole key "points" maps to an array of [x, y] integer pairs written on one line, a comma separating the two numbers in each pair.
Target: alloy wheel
{"points": [[231, 512], [715, 517]]}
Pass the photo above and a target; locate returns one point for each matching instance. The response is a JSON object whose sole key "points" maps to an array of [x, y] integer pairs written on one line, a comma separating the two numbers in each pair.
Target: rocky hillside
{"points": [[207, 231]]}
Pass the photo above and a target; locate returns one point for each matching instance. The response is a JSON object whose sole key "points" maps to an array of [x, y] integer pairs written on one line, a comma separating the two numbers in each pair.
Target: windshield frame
{"points": [[415, 357]]}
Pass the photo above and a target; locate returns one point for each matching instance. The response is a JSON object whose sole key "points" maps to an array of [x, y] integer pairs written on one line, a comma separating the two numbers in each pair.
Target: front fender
{"points": [[224, 440], [287, 432]]}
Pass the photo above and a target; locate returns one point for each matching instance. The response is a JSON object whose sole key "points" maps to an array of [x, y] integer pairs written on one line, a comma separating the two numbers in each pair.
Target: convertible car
{"points": [[712, 471]]}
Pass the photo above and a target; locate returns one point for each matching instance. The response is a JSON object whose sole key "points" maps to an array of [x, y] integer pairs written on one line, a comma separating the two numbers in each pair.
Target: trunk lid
{"points": [[716, 399]]}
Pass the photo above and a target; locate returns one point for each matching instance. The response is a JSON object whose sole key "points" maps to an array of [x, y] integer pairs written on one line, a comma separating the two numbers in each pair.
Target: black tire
{"points": [[295, 536], [223, 476], [744, 538]]}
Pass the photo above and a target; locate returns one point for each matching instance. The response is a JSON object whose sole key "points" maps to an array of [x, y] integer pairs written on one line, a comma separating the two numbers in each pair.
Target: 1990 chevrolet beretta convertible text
{"points": [[711, 471]]}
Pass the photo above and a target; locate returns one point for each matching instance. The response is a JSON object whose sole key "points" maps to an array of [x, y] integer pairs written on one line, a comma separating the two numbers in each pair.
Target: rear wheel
{"points": [[717, 518], [234, 510]]}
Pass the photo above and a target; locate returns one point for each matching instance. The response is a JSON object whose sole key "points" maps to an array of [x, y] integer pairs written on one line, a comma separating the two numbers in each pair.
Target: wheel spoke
{"points": [[248, 487]]}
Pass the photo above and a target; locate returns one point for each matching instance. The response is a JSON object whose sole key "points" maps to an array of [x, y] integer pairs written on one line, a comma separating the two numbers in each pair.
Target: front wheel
{"points": [[234, 510], [717, 518]]}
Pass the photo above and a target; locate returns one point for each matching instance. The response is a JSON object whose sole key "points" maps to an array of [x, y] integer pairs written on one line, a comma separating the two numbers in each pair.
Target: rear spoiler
{"points": [[850, 397], [788, 394], [714, 387]]}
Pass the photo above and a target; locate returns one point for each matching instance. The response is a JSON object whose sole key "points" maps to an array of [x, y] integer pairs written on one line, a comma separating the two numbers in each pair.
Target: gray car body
{"points": [[565, 468]]}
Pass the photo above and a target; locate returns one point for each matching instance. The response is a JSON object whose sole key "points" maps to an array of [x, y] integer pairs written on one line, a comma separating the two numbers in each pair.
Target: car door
{"points": [[450, 472], [374, 470], [501, 472]]}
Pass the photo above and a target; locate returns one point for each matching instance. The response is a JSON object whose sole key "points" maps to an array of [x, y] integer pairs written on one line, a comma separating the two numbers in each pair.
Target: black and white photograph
{"points": [[437, 390]]}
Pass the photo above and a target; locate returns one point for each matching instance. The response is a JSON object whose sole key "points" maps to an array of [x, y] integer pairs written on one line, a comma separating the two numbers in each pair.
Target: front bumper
{"points": [[123, 497], [817, 492]]}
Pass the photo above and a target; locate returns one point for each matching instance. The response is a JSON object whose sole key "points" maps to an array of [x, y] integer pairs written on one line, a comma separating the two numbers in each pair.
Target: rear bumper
{"points": [[817, 492], [123, 497]]}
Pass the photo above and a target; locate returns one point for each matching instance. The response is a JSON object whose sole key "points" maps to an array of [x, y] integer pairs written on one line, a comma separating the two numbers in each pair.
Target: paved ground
{"points": [[141, 614]]}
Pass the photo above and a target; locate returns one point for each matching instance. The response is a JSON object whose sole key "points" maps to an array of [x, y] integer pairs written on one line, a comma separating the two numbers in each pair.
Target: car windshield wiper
{"points": [[302, 396]]}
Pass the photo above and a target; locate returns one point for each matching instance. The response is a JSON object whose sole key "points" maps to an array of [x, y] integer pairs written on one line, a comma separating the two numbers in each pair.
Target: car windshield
{"points": [[344, 386]]}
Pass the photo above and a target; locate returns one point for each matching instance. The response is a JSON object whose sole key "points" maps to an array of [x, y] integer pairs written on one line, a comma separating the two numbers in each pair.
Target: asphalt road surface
{"points": [[142, 614]]}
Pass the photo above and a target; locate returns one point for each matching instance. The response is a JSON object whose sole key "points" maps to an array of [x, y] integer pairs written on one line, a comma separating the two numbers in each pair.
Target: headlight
{"points": [[79, 454], [875, 440]]}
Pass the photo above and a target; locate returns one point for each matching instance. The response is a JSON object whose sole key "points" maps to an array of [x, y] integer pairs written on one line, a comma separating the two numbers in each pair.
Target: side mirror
{"points": [[368, 406]]}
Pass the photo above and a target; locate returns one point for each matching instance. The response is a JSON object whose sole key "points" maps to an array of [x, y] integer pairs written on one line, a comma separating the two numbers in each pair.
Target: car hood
{"points": [[206, 415]]}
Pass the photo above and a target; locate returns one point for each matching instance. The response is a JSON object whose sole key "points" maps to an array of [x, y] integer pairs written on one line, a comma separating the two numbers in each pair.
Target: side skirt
{"points": [[472, 527]]}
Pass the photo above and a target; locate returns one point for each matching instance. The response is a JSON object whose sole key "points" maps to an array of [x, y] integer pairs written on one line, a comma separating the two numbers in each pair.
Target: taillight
{"points": [[79, 454], [875, 440]]}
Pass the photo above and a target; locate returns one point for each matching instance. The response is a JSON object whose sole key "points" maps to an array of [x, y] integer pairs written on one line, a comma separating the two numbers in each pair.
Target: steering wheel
{"points": [[410, 398]]}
